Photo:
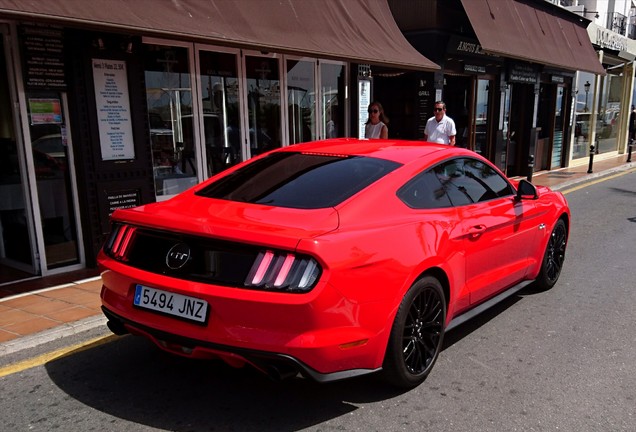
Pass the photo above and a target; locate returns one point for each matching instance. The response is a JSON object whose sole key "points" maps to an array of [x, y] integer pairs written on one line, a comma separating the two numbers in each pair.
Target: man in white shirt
{"points": [[440, 128]]}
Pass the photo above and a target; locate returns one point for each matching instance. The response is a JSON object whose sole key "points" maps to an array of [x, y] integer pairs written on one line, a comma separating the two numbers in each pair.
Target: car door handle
{"points": [[476, 231]]}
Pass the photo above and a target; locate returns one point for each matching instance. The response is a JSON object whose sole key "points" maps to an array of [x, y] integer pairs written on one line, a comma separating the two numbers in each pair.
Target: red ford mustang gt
{"points": [[331, 259]]}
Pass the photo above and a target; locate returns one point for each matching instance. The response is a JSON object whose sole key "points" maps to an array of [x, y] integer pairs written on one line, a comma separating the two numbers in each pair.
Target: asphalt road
{"points": [[559, 360]]}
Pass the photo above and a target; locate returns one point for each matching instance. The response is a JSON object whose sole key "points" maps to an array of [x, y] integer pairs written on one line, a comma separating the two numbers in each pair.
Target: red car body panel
{"points": [[370, 250]]}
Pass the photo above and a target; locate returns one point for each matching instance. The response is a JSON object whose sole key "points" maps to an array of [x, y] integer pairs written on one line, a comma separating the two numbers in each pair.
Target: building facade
{"points": [[113, 104], [603, 102], [508, 74]]}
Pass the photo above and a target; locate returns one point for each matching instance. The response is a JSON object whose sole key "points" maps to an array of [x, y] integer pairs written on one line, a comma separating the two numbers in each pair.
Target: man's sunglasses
{"points": [[439, 109]]}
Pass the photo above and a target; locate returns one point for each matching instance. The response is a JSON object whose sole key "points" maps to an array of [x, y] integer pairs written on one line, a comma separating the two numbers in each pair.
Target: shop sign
{"points": [[113, 109], [474, 69], [458, 45], [426, 95], [42, 50], [608, 39], [604, 38], [557, 79], [521, 73]]}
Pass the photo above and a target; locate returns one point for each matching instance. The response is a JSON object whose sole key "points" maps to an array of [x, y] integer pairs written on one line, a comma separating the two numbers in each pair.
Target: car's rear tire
{"points": [[553, 257], [417, 334]]}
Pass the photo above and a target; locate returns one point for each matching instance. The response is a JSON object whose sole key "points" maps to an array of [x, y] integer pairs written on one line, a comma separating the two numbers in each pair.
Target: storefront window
{"points": [[583, 114], [301, 100], [557, 144], [481, 118], [607, 121], [16, 231], [51, 159], [220, 103], [332, 77], [170, 117], [264, 104]]}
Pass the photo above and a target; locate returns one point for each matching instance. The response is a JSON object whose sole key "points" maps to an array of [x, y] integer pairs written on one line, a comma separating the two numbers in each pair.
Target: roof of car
{"points": [[400, 151]]}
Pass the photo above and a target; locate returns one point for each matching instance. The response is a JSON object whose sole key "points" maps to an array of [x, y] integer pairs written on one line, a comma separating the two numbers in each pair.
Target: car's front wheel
{"points": [[416, 335], [553, 257]]}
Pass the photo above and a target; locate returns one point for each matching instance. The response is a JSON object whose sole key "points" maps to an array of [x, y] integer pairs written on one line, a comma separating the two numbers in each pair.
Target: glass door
{"points": [[480, 121], [301, 100], [170, 118], [333, 103], [17, 233], [559, 124], [52, 161], [221, 126], [262, 75]]}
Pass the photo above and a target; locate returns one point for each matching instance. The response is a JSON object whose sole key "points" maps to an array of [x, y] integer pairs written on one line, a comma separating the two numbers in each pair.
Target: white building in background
{"points": [[603, 103]]}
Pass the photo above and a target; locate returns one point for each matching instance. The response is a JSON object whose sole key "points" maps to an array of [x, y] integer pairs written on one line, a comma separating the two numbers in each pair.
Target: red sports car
{"points": [[331, 259]]}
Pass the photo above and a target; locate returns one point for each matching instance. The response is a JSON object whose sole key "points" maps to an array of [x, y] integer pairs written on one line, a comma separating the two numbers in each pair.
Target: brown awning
{"points": [[516, 29], [360, 31]]}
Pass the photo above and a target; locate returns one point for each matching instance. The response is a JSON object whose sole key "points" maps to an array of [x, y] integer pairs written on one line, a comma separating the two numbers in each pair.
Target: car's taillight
{"points": [[283, 271], [119, 241]]}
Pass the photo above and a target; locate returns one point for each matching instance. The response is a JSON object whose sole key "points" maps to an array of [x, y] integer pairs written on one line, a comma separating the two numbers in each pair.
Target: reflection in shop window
{"points": [[301, 101], [263, 99], [169, 100], [48, 131], [481, 119], [332, 77], [220, 102]]}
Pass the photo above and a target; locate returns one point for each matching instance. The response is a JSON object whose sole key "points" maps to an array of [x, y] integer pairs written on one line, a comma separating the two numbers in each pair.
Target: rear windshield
{"points": [[299, 180]]}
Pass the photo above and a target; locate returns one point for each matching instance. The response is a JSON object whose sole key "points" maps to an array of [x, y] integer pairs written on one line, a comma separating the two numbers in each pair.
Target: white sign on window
{"points": [[364, 99], [113, 109]]}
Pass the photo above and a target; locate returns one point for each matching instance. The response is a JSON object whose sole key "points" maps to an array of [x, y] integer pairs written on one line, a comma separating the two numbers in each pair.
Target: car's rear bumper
{"points": [[275, 365], [321, 334]]}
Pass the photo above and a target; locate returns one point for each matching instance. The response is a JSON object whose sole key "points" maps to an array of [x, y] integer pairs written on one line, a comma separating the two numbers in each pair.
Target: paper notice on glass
{"points": [[45, 111], [364, 99], [113, 109]]}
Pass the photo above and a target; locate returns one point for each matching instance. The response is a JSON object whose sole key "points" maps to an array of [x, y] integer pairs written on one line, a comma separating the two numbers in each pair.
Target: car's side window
{"points": [[455, 182], [424, 192], [468, 181]]}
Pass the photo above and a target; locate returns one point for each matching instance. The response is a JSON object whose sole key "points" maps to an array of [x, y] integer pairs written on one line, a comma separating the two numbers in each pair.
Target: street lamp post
{"points": [[587, 90]]}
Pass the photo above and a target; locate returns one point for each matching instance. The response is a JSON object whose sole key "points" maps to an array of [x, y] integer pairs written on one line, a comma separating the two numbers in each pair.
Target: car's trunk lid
{"points": [[230, 220]]}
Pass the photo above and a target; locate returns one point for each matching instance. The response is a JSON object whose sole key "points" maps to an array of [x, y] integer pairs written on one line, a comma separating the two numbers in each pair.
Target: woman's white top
{"points": [[373, 130]]}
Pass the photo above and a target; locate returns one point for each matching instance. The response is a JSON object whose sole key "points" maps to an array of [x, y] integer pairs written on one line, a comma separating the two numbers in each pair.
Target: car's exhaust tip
{"points": [[280, 372], [117, 327]]}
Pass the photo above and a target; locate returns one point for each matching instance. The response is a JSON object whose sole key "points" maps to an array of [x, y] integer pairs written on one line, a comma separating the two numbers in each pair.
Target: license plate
{"points": [[177, 305]]}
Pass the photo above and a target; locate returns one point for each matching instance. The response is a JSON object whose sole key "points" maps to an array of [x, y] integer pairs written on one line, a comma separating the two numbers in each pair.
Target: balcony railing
{"points": [[617, 23]]}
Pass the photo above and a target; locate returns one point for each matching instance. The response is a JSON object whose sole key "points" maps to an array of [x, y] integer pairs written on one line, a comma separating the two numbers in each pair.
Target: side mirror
{"points": [[526, 190]]}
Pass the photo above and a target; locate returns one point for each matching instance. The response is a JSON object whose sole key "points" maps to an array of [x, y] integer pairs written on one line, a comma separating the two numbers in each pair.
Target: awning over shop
{"points": [[517, 29], [360, 31]]}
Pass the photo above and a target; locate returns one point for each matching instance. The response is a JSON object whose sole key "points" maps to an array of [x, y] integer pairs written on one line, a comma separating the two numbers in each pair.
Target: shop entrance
{"points": [[520, 116], [17, 239], [459, 106], [39, 233], [52, 161]]}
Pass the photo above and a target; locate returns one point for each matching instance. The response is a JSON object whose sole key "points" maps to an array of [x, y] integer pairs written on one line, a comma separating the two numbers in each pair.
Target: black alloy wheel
{"points": [[417, 334], [554, 257]]}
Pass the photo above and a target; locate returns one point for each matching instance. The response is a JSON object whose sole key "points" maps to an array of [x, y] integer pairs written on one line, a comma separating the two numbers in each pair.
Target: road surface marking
{"points": [[54, 355], [601, 179]]}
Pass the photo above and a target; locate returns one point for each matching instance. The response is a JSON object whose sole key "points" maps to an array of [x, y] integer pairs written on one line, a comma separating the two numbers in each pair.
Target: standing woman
{"points": [[376, 125]]}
